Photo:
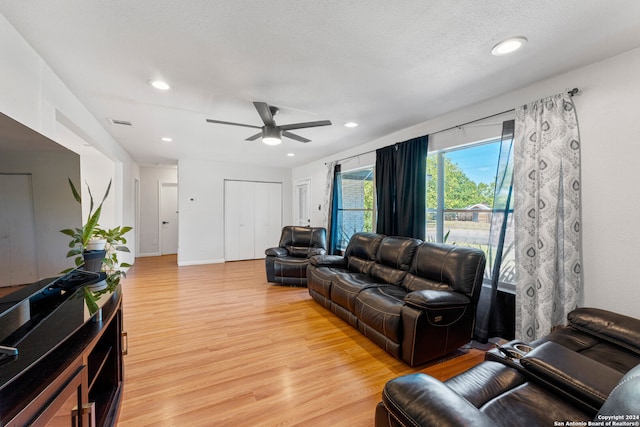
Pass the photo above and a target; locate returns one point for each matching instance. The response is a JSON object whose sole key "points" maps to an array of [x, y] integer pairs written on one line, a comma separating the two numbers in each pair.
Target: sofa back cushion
{"points": [[361, 251], [393, 259], [439, 266], [302, 241]]}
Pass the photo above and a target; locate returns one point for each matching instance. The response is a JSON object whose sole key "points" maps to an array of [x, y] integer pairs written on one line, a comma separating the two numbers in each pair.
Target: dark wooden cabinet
{"points": [[79, 381]]}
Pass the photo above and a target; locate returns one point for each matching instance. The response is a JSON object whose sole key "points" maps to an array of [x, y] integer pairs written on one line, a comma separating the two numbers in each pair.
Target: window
{"points": [[356, 211], [460, 190]]}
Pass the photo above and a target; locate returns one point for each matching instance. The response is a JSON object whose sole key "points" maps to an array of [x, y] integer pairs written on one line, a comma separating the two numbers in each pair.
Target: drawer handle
{"points": [[125, 349]]}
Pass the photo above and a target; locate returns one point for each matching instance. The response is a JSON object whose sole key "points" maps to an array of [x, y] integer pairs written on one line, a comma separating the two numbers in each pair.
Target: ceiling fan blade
{"points": [[265, 113], [294, 136], [254, 137], [305, 125], [233, 124]]}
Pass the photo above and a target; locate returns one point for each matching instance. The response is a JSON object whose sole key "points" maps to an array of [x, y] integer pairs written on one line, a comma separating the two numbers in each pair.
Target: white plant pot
{"points": [[96, 245], [98, 286]]}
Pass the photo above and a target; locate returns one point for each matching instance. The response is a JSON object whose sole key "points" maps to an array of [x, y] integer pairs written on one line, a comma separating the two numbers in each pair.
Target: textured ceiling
{"points": [[385, 64]]}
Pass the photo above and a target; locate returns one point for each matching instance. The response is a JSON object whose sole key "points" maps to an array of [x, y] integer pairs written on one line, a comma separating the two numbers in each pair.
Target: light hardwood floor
{"points": [[216, 345]]}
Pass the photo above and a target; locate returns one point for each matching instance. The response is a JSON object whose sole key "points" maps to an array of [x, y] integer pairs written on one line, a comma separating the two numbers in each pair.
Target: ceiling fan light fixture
{"points": [[271, 136], [508, 46]]}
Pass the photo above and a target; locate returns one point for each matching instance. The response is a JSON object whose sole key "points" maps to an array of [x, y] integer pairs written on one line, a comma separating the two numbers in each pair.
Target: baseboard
{"points": [[200, 262], [149, 254]]}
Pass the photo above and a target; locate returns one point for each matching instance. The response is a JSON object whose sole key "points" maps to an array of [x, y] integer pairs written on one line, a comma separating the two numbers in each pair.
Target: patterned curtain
{"points": [[547, 215], [328, 191]]}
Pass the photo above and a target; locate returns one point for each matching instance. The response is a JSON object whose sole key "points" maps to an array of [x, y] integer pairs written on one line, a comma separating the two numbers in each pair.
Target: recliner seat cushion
{"points": [[321, 278], [290, 267], [346, 287]]}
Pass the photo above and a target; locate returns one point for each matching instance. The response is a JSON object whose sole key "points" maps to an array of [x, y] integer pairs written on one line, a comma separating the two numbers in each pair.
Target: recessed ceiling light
{"points": [[159, 84], [508, 46], [167, 139], [351, 125], [290, 154]]}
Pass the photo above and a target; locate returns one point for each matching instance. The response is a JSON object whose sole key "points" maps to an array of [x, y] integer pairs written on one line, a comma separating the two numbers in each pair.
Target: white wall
{"points": [[609, 121], [31, 93], [150, 179], [201, 205]]}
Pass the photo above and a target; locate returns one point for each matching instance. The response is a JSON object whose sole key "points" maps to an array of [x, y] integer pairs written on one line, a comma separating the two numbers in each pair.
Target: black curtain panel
{"points": [[401, 188], [490, 315], [335, 213], [411, 190], [386, 190]]}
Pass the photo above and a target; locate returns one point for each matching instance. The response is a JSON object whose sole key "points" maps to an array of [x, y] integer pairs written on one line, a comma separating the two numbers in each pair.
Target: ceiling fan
{"points": [[271, 133]]}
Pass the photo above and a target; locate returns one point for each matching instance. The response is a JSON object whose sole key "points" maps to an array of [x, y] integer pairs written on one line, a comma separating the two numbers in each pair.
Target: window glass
{"points": [[460, 192], [357, 208]]}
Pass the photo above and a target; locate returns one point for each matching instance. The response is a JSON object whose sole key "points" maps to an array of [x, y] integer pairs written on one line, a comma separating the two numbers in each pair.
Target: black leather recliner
{"points": [[287, 263], [493, 394], [586, 371]]}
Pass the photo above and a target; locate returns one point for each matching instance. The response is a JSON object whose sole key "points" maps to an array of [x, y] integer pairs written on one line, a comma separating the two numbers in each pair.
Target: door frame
{"points": [[160, 233], [296, 184]]}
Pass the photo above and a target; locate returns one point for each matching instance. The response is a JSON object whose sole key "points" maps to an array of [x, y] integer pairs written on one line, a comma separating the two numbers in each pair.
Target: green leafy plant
{"points": [[110, 264], [80, 237], [115, 242]]}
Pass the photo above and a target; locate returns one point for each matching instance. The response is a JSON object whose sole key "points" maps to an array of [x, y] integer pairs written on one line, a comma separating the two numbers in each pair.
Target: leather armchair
{"points": [[287, 263]]}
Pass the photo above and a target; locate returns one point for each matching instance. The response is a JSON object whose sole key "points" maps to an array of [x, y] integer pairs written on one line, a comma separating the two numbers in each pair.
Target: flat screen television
{"points": [[35, 204]]}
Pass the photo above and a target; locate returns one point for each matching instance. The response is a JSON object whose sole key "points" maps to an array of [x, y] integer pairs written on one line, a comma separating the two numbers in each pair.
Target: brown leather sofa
{"points": [[587, 371], [415, 299], [287, 263]]}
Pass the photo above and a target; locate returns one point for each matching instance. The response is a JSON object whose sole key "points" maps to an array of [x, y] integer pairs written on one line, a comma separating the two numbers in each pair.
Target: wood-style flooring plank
{"points": [[216, 345]]}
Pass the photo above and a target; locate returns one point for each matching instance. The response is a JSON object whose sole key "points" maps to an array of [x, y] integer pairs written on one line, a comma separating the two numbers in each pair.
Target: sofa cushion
{"points": [[458, 267], [346, 287], [319, 279], [380, 308], [393, 259], [361, 251]]}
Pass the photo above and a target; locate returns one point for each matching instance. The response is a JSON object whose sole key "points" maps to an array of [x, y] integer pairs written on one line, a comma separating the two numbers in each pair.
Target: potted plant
{"points": [[83, 240], [105, 259]]}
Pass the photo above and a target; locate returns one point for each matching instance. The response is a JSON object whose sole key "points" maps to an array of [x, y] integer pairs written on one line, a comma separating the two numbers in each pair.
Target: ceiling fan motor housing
{"points": [[271, 135]]}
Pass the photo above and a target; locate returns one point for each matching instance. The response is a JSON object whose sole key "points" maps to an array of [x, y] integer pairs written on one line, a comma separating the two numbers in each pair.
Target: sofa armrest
{"points": [[328, 261], [584, 378], [613, 327], [431, 299], [421, 400], [276, 252]]}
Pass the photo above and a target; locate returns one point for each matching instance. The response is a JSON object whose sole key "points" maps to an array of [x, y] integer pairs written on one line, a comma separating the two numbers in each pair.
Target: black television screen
{"points": [[35, 204]]}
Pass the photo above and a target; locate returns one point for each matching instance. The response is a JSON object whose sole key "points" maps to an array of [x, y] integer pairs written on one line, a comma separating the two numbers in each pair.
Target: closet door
{"points": [[238, 219], [253, 218], [268, 216]]}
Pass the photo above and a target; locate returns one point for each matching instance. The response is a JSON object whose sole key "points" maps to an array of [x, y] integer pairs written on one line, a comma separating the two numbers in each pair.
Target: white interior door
{"points": [[302, 203], [168, 218], [18, 263]]}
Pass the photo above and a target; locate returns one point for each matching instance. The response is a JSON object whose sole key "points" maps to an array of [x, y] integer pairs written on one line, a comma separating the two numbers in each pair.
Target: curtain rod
{"points": [[571, 92]]}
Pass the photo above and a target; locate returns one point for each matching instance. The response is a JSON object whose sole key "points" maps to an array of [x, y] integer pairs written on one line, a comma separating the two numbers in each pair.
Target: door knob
{"points": [[165, 222]]}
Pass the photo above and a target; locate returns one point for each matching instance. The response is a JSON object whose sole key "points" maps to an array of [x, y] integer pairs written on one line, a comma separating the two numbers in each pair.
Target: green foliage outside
{"points": [[368, 204], [460, 191]]}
